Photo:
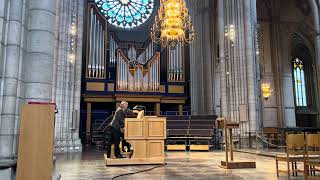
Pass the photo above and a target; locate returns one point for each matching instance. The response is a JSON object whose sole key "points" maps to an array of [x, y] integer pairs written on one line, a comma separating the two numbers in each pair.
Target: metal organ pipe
{"points": [[125, 75], [93, 47], [157, 79], [151, 76], [119, 71], [117, 74], [103, 54], [175, 65], [152, 81], [91, 44], [170, 62], [122, 73], [154, 75], [98, 50], [112, 52], [180, 62]]}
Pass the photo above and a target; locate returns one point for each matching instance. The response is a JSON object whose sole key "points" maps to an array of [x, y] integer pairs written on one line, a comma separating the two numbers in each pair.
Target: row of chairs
{"points": [[301, 149], [190, 130]]}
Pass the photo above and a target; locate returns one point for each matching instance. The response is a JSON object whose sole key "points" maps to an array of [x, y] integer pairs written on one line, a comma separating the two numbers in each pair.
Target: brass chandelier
{"points": [[266, 89], [172, 24]]}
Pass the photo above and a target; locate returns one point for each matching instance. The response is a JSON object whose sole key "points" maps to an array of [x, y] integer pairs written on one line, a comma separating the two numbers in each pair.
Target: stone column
{"points": [[3, 33], [40, 51], [250, 20], [9, 114], [202, 60], [223, 84], [194, 83], [67, 75], [316, 20]]}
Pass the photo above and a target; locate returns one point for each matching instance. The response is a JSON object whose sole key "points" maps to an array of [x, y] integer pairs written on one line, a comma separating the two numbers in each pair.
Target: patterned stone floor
{"points": [[180, 165]]}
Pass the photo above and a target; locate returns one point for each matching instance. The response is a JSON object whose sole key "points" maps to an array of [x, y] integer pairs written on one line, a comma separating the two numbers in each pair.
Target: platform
{"points": [[134, 161], [238, 165]]}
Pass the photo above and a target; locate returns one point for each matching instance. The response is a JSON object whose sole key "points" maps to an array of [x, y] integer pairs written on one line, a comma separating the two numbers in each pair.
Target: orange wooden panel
{"points": [[156, 148], [36, 138], [94, 86]]}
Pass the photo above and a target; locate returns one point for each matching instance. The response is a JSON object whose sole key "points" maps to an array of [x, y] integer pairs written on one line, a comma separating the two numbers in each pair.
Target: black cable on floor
{"points": [[127, 174]]}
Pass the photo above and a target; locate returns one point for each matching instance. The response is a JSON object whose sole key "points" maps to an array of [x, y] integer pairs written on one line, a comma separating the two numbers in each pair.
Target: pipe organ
{"points": [[117, 67], [176, 64], [147, 54], [132, 53], [96, 46], [135, 76], [113, 47]]}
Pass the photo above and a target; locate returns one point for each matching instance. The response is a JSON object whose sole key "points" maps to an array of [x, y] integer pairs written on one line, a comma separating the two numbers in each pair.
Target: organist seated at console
{"points": [[116, 128]]}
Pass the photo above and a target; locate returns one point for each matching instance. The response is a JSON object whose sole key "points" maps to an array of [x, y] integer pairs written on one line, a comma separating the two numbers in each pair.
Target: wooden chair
{"points": [[295, 153], [312, 162]]}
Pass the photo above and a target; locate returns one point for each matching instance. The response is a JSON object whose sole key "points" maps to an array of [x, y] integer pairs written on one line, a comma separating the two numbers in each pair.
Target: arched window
{"points": [[126, 13], [299, 83]]}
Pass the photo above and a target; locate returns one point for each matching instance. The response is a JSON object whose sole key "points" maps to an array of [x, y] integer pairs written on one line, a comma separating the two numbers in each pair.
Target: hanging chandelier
{"points": [[172, 24], [266, 89]]}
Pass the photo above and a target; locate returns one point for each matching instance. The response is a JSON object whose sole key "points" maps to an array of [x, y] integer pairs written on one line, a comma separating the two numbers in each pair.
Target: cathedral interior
{"points": [[235, 79]]}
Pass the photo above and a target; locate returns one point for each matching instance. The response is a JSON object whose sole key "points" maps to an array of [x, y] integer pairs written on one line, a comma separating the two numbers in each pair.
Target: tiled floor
{"points": [[180, 165]]}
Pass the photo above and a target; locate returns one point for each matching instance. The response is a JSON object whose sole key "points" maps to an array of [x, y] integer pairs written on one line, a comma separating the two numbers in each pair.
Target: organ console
{"points": [[146, 134]]}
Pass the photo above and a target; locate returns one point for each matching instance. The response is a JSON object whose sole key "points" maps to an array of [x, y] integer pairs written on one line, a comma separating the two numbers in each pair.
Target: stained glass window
{"points": [[126, 13], [299, 83]]}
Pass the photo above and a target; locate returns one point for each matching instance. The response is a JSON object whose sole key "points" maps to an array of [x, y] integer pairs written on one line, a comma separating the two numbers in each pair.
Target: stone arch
{"points": [[301, 46]]}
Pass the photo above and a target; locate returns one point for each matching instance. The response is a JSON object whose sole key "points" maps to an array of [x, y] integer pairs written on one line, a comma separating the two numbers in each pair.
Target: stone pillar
{"points": [[223, 84], [3, 34], [9, 114], [316, 20], [88, 124], [202, 59], [250, 20], [40, 51], [67, 75], [238, 63]]}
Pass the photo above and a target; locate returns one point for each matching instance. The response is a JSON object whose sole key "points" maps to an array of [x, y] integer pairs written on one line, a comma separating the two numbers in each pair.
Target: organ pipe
{"points": [[135, 79], [96, 58], [175, 61]]}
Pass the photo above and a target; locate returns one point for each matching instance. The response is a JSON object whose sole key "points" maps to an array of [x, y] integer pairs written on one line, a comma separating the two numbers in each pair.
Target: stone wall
{"points": [[67, 75]]}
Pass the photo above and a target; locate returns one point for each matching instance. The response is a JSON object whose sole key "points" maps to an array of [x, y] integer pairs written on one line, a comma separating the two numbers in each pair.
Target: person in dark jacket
{"points": [[116, 125]]}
